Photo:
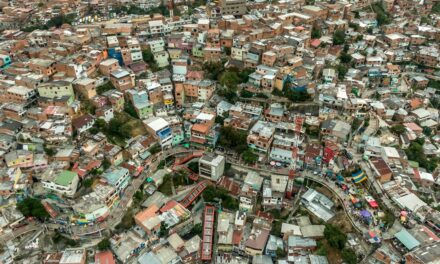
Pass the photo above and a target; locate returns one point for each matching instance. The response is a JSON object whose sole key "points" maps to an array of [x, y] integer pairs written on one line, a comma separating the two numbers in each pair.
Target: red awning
{"points": [[373, 204]]}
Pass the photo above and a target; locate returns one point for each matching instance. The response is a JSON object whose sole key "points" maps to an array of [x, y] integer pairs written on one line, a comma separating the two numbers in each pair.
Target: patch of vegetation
{"points": [[87, 183], [276, 228], [120, 128], [316, 33], [281, 253], [138, 197], [211, 193], [232, 77], [129, 109], [335, 237], [434, 84], [104, 244], [105, 87], [383, 18], [349, 256], [356, 124], [164, 230], [213, 70], [249, 157], [127, 221], [229, 94], [88, 107], [353, 26], [197, 229], [234, 139], [194, 166], [398, 129], [31, 207], [49, 151], [136, 10], [345, 57], [219, 120], [415, 153], [56, 21], [246, 94], [342, 71], [161, 165], [262, 95], [148, 58], [292, 94], [155, 149], [106, 164], [181, 178], [436, 8], [166, 186], [321, 249], [339, 37], [58, 238]]}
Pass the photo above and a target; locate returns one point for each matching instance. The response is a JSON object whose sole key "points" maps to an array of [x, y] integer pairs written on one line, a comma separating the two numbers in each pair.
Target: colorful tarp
{"points": [[359, 176], [371, 202]]}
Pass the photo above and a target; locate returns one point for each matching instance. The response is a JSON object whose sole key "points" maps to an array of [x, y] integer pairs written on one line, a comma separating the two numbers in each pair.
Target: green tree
{"points": [[105, 87], [322, 249], [383, 17], [296, 96], [339, 37], [246, 94], [148, 56], [427, 131], [335, 237], [213, 70], [281, 253], [355, 124], [342, 71], [227, 51], [155, 149], [197, 229], [164, 229], [219, 120], [230, 79], [129, 109], [127, 221], [229, 94], [231, 138], [211, 194], [353, 26], [104, 244], [49, 151], [434, 84], [436, 8], [106, 164], [194, 166], [398, 129], [262, 95], [345, 57], [32, 207], [425, 20], [88, 183], [249, 156], [316, 33], [349, 256]]}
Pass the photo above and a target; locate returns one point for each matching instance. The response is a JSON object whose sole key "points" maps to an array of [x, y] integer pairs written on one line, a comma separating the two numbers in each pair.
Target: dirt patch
{"points": [[137, 128], [333, 255], [340, 220], [326, 192]]}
